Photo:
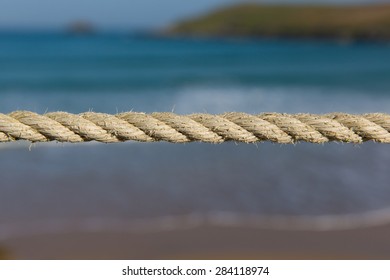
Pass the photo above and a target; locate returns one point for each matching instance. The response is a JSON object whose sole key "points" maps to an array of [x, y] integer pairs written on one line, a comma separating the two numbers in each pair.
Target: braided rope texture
{"points": [[239, 127]]}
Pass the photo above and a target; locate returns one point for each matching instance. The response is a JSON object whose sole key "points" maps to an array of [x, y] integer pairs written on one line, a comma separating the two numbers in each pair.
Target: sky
{"points": [[111, 14]]}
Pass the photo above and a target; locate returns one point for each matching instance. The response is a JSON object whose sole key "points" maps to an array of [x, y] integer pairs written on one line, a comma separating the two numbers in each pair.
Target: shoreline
{"points": [[264, 38]]}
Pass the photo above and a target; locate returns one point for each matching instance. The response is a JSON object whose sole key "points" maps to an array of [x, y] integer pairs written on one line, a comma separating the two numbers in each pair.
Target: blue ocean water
{"points": [[55, 62], [145, 181], [75, 73]]}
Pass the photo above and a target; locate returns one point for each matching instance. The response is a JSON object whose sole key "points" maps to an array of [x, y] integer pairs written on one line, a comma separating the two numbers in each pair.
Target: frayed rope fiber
{"points": [[239, 127]]}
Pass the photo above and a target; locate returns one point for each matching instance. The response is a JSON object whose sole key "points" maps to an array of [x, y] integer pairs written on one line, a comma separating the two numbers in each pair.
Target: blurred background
{"points": [[162, 200]]}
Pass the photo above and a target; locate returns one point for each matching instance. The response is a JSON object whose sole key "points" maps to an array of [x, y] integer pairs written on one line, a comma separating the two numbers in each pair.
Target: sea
{"points": [[59, 188]]}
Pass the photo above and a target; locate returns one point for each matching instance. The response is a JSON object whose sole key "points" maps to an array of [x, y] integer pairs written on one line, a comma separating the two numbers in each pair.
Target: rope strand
{"points": [[239, 127]]}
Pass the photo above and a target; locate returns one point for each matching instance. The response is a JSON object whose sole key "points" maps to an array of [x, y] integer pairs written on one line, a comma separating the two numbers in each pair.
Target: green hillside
{"points": [[254, 20]]}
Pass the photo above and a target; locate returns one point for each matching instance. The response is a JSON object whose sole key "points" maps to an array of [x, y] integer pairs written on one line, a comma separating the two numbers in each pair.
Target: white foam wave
{"points": [[211, 99], [278, 99], [196, 220]]}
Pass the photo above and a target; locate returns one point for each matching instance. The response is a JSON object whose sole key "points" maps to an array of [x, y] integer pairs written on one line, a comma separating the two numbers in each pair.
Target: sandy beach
{"points": [[207, 242]]}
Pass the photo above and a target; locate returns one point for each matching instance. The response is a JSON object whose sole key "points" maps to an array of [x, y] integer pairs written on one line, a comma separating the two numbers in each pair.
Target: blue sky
{"points": [[110, 14]]}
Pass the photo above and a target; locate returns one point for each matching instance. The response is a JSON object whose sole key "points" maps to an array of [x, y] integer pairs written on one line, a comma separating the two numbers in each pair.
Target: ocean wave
{"points": [[279, 99], [367, 219], [211, 99]]}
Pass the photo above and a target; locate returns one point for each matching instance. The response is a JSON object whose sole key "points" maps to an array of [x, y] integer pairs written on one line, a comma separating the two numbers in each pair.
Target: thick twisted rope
{"points": [[239, 127]]}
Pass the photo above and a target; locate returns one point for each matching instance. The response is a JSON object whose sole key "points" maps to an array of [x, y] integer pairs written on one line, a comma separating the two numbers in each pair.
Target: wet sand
{"points": [[207, 242], [149, 182]]}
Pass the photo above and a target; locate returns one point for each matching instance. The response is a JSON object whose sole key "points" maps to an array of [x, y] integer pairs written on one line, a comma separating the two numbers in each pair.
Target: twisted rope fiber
{"points": [[239, 127]]}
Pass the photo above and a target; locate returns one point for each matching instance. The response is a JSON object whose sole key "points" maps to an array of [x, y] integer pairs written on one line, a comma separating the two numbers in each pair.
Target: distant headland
{"points": [[365, 22], [80, 28]]}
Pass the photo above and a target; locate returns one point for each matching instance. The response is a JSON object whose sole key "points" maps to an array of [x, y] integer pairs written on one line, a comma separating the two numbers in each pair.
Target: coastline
{"points": [[362, 23]]}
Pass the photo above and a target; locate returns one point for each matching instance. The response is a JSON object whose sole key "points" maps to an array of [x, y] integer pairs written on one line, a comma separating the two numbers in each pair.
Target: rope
{"points": [[239, 127]]}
